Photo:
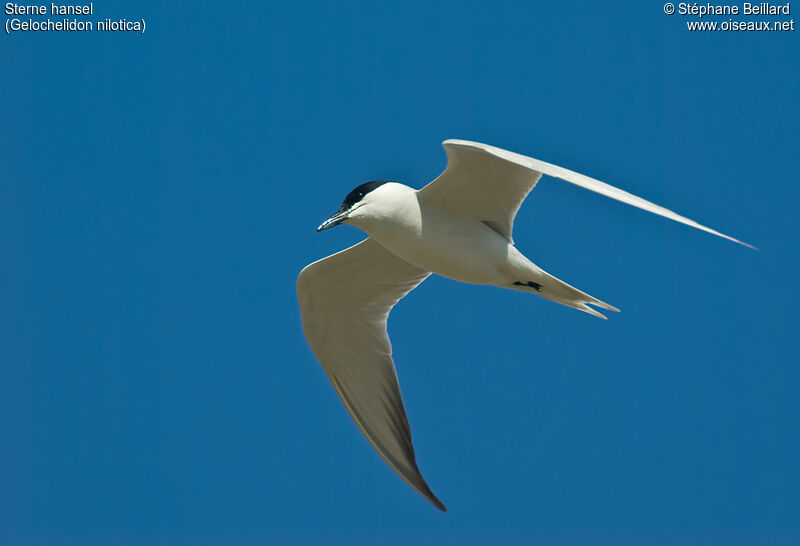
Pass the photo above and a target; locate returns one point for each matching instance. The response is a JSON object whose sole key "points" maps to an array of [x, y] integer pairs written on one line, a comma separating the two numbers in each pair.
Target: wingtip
{"points": [[438, 504], [728, 237], [424, 490], [748, 245]]}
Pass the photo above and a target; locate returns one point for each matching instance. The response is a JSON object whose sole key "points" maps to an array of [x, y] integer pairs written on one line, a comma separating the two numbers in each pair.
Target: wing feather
{"points": [[345, 300], [489, 184], [481, 186]]}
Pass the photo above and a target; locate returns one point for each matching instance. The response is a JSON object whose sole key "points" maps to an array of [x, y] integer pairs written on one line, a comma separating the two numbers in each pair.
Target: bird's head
{"points": [[357, 204]]}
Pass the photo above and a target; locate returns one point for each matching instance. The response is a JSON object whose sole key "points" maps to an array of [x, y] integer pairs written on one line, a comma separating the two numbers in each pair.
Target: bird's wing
{"points": [[345, 300], [485, 183]]}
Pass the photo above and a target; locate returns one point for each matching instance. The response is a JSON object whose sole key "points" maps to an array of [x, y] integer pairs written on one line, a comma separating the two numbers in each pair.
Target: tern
{"points": [[459, 226]]}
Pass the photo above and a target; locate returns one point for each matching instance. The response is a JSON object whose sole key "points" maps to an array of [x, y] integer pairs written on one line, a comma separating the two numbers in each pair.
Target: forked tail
{"points": [[549, 287]]}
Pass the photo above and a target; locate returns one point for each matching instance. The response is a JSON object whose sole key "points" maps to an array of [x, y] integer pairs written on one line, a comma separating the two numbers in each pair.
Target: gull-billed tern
{"points": [[458, 226]]}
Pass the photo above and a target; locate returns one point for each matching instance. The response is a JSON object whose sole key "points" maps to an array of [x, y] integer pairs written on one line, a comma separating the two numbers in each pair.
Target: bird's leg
{"points": [[535, 285]]}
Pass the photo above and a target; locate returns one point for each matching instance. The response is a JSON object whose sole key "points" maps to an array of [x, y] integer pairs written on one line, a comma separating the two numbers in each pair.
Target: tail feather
{"points": [[586, 309], [604, 305], [560, 292]]}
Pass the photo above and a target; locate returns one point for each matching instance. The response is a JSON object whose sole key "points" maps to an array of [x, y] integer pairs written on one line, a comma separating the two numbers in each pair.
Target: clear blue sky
{"points": [[159, 195]]}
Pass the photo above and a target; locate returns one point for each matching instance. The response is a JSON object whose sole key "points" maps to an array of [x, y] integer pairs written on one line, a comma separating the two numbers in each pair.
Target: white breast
{"points": [[464, 250]]}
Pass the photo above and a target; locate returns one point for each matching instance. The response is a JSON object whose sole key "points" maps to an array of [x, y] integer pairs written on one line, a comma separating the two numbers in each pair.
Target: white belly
{"points": [[464, 250]]}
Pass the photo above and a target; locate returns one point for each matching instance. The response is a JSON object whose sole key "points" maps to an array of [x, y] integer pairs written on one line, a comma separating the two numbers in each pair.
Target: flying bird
{"points": [[459, 226]]}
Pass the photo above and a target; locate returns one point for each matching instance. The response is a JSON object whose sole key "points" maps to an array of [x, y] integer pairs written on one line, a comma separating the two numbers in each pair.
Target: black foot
{"points": [[535, 285]]}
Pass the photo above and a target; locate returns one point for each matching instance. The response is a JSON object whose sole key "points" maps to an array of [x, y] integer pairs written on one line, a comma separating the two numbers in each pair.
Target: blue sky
{"points": [[159, 195]]}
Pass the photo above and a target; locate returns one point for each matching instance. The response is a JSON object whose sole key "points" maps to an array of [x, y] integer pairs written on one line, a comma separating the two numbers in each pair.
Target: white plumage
{"points": [[458, 226]]}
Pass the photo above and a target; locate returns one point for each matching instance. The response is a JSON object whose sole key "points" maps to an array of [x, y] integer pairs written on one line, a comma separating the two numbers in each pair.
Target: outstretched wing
{"points": [[485, 183], [345, 300], [481, 185]]}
